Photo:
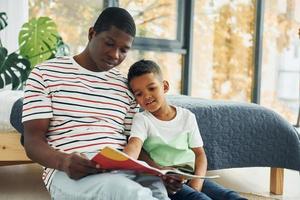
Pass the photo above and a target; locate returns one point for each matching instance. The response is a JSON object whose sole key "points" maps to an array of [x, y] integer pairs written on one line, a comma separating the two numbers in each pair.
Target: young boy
{"points": [[169, 134]]}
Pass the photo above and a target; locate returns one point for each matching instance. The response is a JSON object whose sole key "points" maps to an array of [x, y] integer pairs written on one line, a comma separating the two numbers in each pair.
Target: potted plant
{"points": [[39, 40]]}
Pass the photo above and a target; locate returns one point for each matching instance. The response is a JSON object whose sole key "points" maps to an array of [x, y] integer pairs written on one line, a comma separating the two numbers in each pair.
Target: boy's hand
{"points": [[196, 184], [173, 183]]}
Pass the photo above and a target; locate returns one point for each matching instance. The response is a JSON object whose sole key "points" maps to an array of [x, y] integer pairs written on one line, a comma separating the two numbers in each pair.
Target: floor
{"points": [[256, 180], [22, 182]]}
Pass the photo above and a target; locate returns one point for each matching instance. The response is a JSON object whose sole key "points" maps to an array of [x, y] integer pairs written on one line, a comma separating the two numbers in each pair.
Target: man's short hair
{"points": [[142, 67], [115, 16]]}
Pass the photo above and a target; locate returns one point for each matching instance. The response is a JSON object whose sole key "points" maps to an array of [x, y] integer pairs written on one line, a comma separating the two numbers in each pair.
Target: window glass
{"points": [[281, 58], [223, 49], [73, 18], [170, 64], [154, 19]]}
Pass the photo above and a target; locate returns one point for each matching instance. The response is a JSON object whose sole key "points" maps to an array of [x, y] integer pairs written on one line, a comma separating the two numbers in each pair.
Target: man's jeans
{"points": [[116, 185], [210, 191]]}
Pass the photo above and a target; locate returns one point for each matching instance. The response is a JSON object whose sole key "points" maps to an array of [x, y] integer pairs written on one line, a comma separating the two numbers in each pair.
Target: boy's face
{"points": [[109, 48], [149, 91]]}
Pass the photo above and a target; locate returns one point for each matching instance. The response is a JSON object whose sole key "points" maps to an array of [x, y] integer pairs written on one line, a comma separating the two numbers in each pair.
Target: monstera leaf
{"points": [[38, 40], [14, 69], [3, 20]]}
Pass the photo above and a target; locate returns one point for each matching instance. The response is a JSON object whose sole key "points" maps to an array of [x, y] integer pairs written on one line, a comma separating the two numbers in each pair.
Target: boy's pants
{"points": [[210, 191], [115, 185]]}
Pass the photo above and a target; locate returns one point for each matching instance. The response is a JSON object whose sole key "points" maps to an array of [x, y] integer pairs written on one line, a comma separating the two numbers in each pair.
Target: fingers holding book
{"points": [[173, 183]]}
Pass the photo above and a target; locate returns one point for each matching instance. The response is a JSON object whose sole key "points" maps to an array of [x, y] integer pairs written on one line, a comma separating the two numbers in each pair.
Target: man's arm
{"points": [[38, 150], [200, 168]]}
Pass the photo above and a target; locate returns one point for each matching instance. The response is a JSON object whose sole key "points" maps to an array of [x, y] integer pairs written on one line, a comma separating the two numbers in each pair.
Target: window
{"points": [[281, 58], [154, 19], [159, 30], [222, 46], [73, 18], [159, 37], [223, 49]]}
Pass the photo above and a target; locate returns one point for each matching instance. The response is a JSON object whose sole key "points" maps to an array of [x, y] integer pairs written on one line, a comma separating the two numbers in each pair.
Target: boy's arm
{"points": [[133, 147], [200, 168], [144, 156]]}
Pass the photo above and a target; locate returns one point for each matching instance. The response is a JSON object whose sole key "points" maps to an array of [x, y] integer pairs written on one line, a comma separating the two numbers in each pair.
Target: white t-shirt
{"points": [[168, 143]]}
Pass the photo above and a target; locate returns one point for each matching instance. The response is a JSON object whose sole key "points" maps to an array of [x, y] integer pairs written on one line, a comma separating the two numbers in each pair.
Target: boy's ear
{"points": [[166, 86]]}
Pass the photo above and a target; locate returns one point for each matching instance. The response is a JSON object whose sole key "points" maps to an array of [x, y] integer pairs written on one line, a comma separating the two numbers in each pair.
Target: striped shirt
{"points": [[87, 110]]}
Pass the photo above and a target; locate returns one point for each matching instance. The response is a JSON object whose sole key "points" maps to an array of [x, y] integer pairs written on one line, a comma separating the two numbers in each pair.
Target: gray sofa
{"points": [[235, 135]]}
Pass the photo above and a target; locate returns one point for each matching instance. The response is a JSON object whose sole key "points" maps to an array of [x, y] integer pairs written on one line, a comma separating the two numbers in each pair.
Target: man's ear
{"points": [[92, 32], [166, 86]]}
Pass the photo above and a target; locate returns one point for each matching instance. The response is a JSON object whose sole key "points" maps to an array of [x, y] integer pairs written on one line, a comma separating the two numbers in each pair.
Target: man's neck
{"points": [[84, 60]]}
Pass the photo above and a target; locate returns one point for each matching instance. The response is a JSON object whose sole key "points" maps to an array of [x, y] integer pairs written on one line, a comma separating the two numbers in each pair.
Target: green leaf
{"points": [[38, 39], [3, 54], [14, 69], [3, 20]]}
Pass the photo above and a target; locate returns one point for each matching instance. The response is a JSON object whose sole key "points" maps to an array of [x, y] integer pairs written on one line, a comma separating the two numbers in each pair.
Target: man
{"points": [[77, 105]]}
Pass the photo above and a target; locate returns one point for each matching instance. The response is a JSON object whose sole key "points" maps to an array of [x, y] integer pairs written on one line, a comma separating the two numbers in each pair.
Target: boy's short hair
{"points": [[115, 16], [142, 67]]}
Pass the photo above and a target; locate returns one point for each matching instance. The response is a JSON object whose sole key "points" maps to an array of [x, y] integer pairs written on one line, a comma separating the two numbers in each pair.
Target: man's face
{"points": [[108, 49]]}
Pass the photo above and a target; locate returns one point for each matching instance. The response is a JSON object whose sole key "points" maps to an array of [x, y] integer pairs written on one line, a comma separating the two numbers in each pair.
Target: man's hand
{"points": [[77, 166], [173, 183]]}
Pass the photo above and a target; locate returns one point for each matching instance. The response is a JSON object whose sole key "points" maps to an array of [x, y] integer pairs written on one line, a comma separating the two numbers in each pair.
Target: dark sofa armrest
{"points": [[16, 117]]}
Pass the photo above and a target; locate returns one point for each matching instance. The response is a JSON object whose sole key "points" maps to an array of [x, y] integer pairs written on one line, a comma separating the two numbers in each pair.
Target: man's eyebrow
{"points": [[110, 38]]}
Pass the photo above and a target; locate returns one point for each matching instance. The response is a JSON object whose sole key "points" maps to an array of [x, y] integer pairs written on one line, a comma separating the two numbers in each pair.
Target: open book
{"points": [[113, 159]]}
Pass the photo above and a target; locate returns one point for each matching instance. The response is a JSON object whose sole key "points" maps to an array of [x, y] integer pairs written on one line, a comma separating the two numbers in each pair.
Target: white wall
{"points": [[17, 13]]}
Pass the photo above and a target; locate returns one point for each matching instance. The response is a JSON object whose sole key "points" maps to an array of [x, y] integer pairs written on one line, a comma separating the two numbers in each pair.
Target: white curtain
{"points": [[17, 13]]}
